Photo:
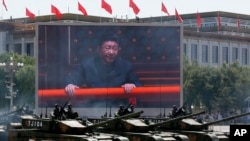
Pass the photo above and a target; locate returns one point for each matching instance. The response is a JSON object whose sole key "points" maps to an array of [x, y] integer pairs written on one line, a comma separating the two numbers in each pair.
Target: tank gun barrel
{"points": [[131, 115], [6, 114], [225, 119], [175, 119], [68, 126], [16, 111]]}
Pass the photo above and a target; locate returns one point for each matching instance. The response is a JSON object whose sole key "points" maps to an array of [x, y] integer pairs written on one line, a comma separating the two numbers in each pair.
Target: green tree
{"points": [[3, 89], [221, 88], [228, 77], [26, 86], [198, 87], [24, 79]]}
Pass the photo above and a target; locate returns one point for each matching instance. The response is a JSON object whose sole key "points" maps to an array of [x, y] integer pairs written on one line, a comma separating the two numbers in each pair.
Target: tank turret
{"points": [[14, 116], [197, 130], [195, 125], [141, 129], [144, 125], [37, 128], [69, 126]]}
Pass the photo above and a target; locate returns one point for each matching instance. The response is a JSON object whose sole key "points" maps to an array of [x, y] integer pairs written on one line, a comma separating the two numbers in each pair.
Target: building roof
{"points": [[228, 27]]}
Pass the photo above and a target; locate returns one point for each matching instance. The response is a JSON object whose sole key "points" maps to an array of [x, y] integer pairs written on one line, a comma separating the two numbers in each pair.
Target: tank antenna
{"points": [[46, 114], [110, 111]]}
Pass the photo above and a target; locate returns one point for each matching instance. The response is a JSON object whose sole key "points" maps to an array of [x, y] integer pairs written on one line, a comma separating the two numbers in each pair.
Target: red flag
{"points": [[134, 7], [56, 11], [29, 13], [238, 22], [5, 6], [219, 22], [178, 16], [164, 9], [198, 19], [106, 6], [82, 9]]}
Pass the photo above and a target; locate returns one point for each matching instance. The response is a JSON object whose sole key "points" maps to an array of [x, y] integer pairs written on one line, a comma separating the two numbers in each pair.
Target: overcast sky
{"points": [[120, 8]]}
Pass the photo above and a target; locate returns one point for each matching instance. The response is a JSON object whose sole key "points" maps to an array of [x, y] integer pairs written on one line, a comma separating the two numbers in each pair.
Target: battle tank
{"points": [[59, 128], [138, 129], [14, 116], [197, 130]]}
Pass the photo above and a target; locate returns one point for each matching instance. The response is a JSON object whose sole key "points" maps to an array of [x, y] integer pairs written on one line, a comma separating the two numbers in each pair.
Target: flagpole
{"points": [[198, 21], [175, 16], [128, 12], [76, 16], [68, 6], [1, 14], [100, 16], [219, 22], [50, 11], [100, 19], [238, 23]]}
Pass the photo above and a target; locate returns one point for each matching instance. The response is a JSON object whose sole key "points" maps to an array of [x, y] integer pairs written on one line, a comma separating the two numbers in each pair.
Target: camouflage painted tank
{"points": [[197, 131], [14, 116], [58, 128], [137, 129]]}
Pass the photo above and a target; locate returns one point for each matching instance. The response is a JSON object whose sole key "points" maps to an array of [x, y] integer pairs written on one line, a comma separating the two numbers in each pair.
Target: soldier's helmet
{"points": [[69, 106], [174, 107], [56, 106], [121, 107]]}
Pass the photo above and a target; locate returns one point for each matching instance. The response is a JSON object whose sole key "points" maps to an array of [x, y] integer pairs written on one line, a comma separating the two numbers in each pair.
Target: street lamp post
{"points": [[11, 67]]}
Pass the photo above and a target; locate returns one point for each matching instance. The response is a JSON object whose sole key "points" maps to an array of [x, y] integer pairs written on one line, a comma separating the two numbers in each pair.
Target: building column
{"points": [[240, 53], [248, 53], [210, 46], [2, 42], [199, 51], [220, 62], [188, 49], [23, 47]]}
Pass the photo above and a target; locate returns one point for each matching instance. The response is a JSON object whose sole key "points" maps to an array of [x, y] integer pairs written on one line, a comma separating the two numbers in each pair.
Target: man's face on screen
{"points": [[109, 51]]}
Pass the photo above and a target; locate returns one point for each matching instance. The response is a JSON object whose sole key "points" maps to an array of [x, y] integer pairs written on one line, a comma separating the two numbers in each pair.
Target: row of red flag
{"points": [[106, 6], [198, 17]]}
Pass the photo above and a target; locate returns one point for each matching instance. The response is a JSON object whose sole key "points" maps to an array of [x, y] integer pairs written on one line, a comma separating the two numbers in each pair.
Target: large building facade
{"points": [[214, 43]]}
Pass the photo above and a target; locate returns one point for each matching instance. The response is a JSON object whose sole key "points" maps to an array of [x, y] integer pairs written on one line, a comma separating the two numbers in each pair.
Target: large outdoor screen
{"points": [[154, 50]]}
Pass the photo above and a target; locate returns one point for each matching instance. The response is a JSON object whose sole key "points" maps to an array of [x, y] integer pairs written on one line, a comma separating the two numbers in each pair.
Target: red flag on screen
{"points": [[106, 6], [134, 7], [198, 19], [164, 9], [178, 16], [56, 11], [29, 14], [82, 9], [132, 101], [238, 22], [5, 6], [218, 21]]}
